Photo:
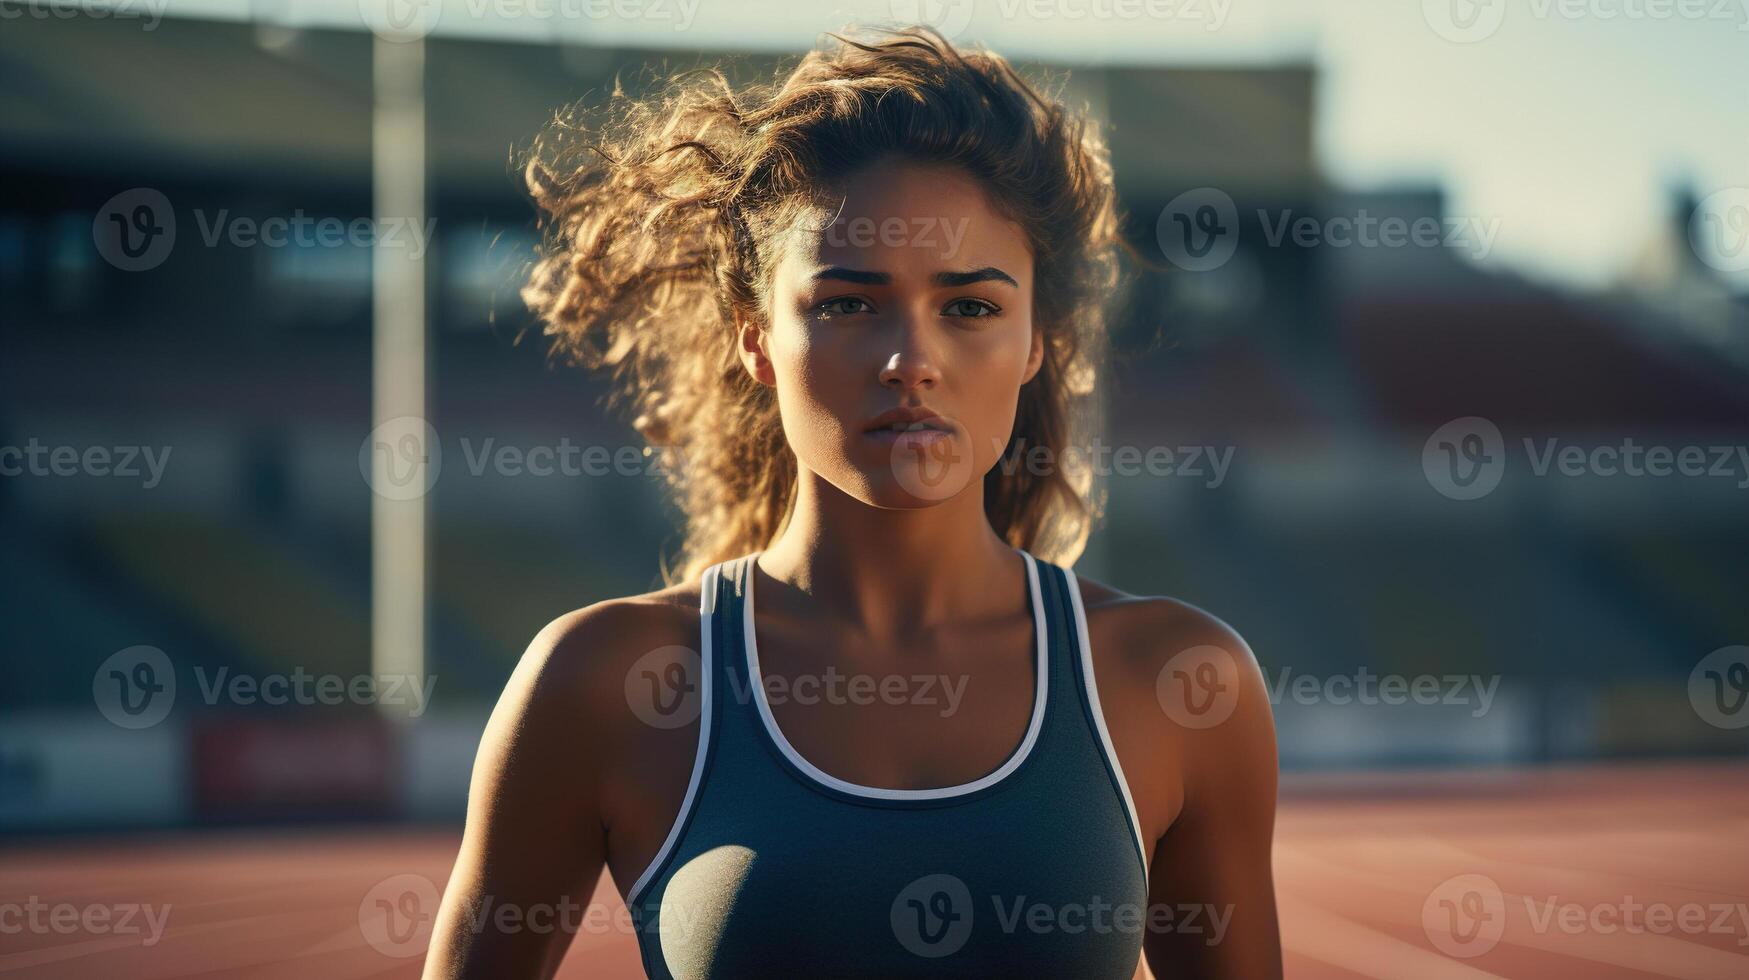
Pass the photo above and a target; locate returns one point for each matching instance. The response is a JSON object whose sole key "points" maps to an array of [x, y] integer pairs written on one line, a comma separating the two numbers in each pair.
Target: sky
{"points": [[1571, 122]]}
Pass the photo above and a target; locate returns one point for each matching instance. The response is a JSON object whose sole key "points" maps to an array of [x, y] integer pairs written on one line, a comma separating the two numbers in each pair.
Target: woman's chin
{"points": [[912, 487]]}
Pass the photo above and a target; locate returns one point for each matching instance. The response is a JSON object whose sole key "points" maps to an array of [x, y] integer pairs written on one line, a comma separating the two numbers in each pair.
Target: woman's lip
{"points": [[904, 417], [918, 437]]}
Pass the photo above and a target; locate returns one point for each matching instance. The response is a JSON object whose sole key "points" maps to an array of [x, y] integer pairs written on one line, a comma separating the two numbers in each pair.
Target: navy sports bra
{"points": [[774, 868]]}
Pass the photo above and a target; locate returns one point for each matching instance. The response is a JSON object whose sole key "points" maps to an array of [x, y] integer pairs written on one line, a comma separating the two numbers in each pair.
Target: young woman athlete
{"points": [[875, 728]]}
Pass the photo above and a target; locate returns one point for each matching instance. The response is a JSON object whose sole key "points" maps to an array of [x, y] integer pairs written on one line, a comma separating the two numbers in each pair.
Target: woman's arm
{"points": [[534, 844], [1212, 868]]}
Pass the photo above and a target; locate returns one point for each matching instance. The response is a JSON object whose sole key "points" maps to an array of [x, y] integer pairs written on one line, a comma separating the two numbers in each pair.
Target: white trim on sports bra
{"points": [[1040, 694], [707, 604], [1085, 642]]}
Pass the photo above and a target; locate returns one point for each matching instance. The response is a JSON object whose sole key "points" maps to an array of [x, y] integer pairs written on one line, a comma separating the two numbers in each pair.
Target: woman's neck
{"points": [[894, 571]]}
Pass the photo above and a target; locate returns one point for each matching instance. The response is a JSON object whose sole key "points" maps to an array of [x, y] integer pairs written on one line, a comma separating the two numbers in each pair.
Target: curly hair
{"points": [[662, 219]]}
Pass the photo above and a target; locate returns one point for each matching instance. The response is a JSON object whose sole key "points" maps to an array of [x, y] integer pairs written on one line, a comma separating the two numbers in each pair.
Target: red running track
{"points": [[1558, 873]]}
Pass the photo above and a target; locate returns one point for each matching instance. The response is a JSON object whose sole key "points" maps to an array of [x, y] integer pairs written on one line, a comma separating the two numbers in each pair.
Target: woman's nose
{"points": [[910, 365]]}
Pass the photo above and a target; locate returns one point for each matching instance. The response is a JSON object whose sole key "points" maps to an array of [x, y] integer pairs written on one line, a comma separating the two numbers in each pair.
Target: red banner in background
{"points": [[288, 768]]}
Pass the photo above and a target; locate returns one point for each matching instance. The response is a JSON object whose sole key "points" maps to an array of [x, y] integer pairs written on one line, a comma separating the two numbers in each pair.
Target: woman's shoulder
{"points": [[1146, 632], [589, 632], [1183, 675], [574, 682], [1186, 702], [583, 657]]}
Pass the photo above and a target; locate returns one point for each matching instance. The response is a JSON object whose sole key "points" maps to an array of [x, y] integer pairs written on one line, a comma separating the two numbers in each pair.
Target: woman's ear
{"points": [[1035, 357], [752, 349]]}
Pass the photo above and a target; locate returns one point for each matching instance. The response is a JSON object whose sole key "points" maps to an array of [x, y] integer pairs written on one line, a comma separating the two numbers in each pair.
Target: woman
{"points": [[857, 311]]}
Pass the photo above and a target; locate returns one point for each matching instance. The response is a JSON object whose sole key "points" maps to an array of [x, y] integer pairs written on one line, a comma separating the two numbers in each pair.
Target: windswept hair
{"points": [[663, 217]]}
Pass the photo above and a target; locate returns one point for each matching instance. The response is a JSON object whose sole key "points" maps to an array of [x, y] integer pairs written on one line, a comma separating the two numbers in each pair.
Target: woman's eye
{"points": [[844, 306], [970, 308]]}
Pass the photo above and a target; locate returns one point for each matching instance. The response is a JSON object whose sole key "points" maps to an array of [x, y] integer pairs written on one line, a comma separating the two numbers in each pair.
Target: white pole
{"points": [[398, 367]]}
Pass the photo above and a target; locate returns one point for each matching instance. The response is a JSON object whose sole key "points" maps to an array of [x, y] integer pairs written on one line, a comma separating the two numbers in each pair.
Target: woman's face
{"points": [[917, 297]]}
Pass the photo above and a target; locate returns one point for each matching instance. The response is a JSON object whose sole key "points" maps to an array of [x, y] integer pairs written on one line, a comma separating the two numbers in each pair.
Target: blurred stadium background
{"points": [[1611, 306]]}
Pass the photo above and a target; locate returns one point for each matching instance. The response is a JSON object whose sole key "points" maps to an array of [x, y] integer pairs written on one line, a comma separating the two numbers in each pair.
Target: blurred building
{"points": [[1318, 372]]}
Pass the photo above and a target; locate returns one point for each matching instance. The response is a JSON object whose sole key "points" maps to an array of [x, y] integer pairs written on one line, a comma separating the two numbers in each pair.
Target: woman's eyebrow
{"points": [[853, 275], [988, 273]]}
